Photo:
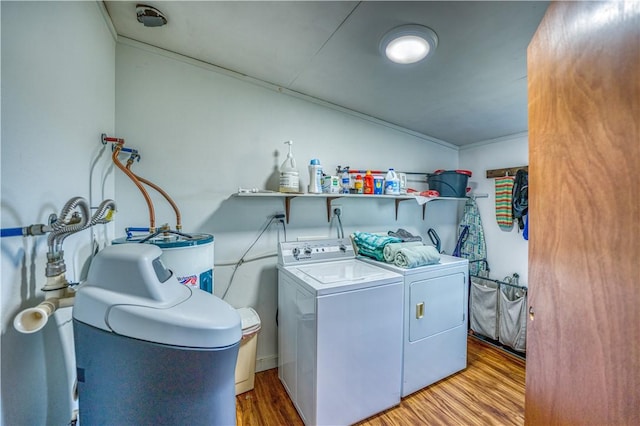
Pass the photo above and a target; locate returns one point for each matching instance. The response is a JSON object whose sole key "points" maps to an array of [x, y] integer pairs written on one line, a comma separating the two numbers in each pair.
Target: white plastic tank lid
{"points": [[125, 294], [250, 320]]}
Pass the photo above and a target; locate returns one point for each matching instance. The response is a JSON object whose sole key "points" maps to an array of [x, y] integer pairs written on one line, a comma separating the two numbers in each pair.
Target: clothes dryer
{"points": [[436, 299]]}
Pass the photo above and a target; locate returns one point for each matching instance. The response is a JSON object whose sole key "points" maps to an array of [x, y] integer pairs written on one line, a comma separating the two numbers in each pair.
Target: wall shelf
{"points": [[330, 197]]}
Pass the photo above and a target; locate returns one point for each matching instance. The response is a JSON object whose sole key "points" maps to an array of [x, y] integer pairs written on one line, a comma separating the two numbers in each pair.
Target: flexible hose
{"points": [[145, 194], [67, 209], [242, 260], [62, 231], [162, 192], [102, 214], [11, 232], [58, 235]]}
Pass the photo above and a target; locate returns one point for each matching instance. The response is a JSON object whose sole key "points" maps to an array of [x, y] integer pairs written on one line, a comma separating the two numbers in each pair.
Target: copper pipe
{"points": [[152, 218], [162, 192]]}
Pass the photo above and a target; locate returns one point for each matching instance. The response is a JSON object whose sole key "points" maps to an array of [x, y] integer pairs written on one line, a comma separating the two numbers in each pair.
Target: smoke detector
{"points": [[150, 16]]}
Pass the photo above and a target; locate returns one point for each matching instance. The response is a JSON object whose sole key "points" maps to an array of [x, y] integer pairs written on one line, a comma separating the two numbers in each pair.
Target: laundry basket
{"points": [[513, 317], [246, 364], [484, 307]]}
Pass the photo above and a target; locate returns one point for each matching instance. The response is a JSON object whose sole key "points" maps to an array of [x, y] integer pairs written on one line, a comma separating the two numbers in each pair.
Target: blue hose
{"points": [[130, 231], [11, 232]]}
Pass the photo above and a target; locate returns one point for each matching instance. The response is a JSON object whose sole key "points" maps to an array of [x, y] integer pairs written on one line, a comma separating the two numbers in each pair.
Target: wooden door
{"points": [[583, 356]]}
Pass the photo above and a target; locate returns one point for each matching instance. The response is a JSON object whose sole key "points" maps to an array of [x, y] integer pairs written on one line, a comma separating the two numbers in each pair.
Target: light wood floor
{"points": [[490, 391]]}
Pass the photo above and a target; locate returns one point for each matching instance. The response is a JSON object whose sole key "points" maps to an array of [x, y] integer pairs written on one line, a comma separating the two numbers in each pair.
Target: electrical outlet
{"points": [[277, 215], [336, 209]]}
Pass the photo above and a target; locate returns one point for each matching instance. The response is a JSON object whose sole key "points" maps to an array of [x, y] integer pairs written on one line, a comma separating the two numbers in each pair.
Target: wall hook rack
{"points": [[508, 171]]}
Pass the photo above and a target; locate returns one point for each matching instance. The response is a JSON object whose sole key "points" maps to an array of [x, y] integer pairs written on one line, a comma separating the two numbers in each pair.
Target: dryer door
{"points": [[436, 305]]}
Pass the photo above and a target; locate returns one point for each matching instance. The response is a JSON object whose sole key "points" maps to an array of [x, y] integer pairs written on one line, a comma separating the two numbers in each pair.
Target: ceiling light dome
{"points": [[408, 44]]}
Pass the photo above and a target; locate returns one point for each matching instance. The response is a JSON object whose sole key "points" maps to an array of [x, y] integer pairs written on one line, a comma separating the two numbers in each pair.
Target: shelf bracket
{"points": [[398, 201], [287, 205]]}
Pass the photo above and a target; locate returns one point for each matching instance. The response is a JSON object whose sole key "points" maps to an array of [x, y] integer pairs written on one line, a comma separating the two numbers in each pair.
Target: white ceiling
{"points": [[472, 89]]}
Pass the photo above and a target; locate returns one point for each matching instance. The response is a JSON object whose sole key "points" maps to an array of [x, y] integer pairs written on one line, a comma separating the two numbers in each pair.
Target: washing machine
{"points": [[339, 332], [436, 299]]}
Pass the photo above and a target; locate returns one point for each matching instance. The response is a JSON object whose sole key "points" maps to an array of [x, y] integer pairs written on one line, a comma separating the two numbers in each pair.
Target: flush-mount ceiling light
{"points": [[408, 44]]}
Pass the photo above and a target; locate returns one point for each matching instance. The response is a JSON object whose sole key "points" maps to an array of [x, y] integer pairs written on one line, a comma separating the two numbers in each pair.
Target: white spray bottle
{"points": [[289, 178]]}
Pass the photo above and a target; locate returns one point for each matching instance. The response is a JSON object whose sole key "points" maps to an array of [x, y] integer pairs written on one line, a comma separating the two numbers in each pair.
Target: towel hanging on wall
{"points": [[504, 189]]}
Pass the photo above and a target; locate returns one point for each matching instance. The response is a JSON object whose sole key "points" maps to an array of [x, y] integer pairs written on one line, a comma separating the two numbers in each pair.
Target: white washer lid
{"points": [[250, 320]]}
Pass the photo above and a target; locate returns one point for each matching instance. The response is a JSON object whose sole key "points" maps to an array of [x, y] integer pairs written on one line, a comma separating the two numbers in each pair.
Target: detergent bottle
{"points": [[391, 183], [315, 177], [368, 183], [359, 184], [289, 178]]}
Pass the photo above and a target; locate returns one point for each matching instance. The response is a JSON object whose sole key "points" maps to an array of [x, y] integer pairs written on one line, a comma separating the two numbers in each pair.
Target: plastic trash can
{"points": [[149, 350], [246, 365]]}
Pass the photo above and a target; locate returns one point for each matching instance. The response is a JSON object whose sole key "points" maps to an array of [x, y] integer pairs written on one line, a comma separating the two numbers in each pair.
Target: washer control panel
{"points": [[298, 252]]}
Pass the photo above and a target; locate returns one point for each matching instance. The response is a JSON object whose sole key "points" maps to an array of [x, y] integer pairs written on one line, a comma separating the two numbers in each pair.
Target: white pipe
{"points": [[34, 319]]}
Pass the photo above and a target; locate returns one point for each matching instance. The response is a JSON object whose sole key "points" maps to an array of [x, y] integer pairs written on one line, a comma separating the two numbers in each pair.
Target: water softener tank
{"points": [[150, 350]]}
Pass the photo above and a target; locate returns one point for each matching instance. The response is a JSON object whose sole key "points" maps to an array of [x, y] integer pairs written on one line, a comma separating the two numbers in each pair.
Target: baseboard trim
{"points": [[266, 363]]}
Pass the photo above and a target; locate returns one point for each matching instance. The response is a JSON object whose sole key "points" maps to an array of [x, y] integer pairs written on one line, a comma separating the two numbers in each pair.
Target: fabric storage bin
{"points": [[512, 315], [484, 307]]}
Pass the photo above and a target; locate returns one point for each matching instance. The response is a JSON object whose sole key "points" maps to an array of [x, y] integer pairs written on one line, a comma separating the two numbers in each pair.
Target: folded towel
{"points": [[412, 257], [372, 245], [391, 249], [404, 235]]}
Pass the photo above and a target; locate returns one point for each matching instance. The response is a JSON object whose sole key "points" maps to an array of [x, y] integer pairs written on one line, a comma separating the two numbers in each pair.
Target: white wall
{"points": [[58, 62], [507, 251], [203, 133]]}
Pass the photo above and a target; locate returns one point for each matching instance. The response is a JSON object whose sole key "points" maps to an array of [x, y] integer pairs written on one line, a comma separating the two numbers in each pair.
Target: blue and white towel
{"points": [[372, 245], [391, 249], [412, 257]]}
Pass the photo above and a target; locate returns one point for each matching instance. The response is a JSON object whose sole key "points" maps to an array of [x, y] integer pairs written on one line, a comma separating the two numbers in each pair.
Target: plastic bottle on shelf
{"points": [[289, 178], [368, 183], [358, 185], [345, 182], [391, 183], [315, 177]]}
